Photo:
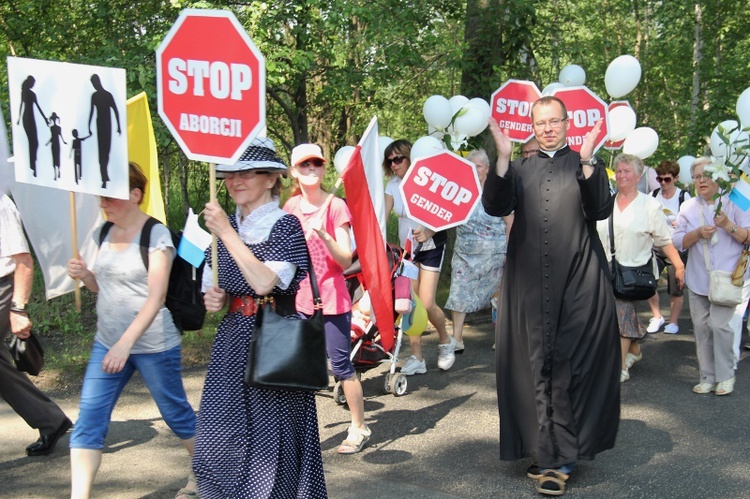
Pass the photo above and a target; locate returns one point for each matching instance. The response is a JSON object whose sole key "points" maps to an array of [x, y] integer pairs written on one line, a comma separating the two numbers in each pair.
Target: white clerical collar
{"points": [[551, 154]]}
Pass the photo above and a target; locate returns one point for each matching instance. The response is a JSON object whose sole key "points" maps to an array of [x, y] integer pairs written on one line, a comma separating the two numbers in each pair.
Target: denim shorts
{"points": [[162, 374]]}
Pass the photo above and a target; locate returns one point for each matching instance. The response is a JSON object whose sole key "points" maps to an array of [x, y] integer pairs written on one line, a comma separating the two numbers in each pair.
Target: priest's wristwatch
{"points": [[590, 162]]}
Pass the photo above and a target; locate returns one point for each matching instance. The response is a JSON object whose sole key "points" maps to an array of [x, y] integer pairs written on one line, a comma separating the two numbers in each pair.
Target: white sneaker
{"points": [[631, 359], [655, 324], [414, 366], [446, 354], [459, 348], [671, 328], [624, 375]]}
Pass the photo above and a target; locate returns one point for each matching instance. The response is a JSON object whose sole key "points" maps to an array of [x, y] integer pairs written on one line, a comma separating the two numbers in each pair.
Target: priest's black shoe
{"points": [[46, 443]]}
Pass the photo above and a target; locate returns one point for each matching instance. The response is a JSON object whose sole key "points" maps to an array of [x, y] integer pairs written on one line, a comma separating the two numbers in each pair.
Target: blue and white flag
{"points": [[740, 195], [194, 241]]}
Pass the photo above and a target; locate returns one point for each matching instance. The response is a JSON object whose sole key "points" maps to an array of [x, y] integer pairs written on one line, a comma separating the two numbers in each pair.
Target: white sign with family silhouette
{"points": [[69, 126]]}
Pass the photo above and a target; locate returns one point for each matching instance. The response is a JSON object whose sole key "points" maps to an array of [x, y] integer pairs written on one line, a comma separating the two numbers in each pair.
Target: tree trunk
{"points": [[697, 60]]}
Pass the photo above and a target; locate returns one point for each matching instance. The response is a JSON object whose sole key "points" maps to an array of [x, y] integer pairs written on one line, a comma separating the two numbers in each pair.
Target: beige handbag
{"points": [[721, 288]]}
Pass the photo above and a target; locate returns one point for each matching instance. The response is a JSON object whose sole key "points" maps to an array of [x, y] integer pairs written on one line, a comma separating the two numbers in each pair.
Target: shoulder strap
{"points": [[705, 244], [146, 238], [104, 231], [682, 196], [612, 235], [655, 192]]}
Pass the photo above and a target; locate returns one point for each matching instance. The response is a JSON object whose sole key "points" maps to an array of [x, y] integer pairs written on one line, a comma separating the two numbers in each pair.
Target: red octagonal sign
{"points": [[211, 84], [440, 191], [511, 108], [585, 108]]}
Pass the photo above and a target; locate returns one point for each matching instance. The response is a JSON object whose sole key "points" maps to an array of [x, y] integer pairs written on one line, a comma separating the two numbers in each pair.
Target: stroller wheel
{"points": [[387, 383], [338, 394], [398, 384]]}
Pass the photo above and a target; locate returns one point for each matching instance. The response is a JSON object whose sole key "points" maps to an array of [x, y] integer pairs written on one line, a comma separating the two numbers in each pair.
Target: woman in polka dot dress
{"points": [[250, 442]]}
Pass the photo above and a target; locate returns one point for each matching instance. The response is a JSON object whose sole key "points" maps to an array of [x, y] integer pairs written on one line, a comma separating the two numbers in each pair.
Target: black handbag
{"points": [[288, 354], [631, 283], [27, 353]]}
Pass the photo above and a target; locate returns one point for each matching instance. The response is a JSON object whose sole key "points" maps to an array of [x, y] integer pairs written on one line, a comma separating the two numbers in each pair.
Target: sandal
{"points": [[534, 472], [355, 440], [185, 493], [552, 483]]}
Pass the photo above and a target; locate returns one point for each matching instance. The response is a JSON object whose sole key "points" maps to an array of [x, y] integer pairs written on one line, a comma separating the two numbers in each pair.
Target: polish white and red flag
{"points": [[363, 183]]}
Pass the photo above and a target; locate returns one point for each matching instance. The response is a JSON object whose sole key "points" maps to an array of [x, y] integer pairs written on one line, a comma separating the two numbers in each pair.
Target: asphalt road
{"points": [[440, 439]]}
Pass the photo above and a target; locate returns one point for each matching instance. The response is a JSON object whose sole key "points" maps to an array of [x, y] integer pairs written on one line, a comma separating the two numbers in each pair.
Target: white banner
{"points": [[69, 126]]}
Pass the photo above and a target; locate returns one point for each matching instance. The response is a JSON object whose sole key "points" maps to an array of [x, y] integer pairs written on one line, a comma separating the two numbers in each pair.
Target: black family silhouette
{"points": [[54, 141], [103, 102], [75, 151], [26, 113]]}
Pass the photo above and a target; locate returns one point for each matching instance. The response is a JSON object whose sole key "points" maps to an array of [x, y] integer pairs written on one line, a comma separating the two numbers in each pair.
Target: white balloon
{"points": [[718, 146], [425, 146], [457, 102], [472, 122], [641, 142], [437, 111], [481, 105], [621, 122], [743, 108], [383, 142], [622, 76], [737, 139], [685, 163], [551, 88], [342, 157], [572, 75]]}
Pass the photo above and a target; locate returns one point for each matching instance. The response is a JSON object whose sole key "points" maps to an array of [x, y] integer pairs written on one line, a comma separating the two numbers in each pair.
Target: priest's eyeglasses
{"points": [[554, 123]]}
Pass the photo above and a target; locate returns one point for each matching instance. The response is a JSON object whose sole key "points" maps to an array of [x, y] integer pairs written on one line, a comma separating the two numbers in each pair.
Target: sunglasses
{"points": [[666, 180], [396, 160], [316, 162]]}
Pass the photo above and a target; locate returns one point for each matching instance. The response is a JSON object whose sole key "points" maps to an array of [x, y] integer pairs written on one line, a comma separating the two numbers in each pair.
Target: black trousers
{"points": [[29, 402]]}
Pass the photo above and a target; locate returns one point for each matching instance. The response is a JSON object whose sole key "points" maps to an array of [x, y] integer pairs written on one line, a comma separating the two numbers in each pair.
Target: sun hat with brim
{"points": [[261, 155], [303, 152]]}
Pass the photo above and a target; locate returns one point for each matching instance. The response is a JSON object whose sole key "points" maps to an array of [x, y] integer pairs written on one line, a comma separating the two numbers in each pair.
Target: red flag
{"points": [[376, 272]]}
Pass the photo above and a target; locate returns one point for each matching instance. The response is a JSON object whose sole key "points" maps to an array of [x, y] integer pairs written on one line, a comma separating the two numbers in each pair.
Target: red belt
{"points": [[247, 305]]}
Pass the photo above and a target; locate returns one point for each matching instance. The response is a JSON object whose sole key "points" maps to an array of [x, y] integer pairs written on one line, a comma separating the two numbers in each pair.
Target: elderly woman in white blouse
{"points": [[639, 225]]}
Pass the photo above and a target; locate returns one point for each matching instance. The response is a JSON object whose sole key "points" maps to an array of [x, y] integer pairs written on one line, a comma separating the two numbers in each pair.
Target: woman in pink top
{"points": [[327, 231]]}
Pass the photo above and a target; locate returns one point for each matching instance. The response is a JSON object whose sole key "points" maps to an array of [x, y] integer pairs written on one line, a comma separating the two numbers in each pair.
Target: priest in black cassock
{"points": [[558, 346]]}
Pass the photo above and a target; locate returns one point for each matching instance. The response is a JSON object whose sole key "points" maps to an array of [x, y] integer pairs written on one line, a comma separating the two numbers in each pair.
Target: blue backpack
{"points": [[184, 297]]}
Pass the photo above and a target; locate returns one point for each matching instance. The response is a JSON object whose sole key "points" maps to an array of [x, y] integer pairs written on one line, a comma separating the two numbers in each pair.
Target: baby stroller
{"points": [[367, 349]]}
